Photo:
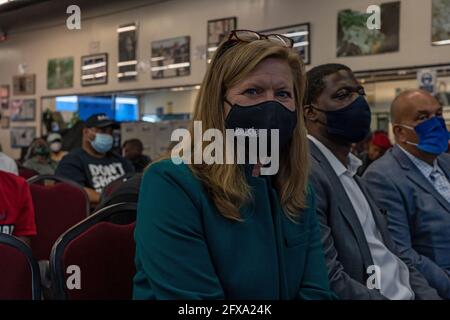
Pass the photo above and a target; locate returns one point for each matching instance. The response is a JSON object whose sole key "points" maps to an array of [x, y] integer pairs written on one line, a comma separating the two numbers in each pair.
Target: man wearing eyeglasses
{"points": [[412, 182]]}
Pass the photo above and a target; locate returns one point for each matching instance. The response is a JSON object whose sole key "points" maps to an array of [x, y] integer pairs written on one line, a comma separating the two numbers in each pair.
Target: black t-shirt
{"points": [[92, 172]]}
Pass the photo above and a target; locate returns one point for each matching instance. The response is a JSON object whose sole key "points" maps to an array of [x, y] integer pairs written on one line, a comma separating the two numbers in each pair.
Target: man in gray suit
{"points": [[412, 182], [361, 257]]}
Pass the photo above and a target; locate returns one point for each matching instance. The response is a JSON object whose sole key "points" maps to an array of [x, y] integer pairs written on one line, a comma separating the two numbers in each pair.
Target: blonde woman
{"points": [[224, 231]]}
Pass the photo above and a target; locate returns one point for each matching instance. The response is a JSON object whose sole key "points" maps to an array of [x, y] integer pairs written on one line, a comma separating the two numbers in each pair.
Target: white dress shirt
{"points": [[394, 274]]}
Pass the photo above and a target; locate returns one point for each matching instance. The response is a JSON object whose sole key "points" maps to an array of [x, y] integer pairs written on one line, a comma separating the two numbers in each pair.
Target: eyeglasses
{"points": [[249, 36], [237, 36]]}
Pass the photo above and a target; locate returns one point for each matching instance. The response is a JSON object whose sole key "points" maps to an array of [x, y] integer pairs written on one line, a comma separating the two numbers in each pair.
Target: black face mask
{"points": [[351, 123], [265, 115]]}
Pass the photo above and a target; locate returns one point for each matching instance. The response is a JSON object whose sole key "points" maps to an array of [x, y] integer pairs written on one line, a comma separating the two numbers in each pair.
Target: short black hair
{"points": [[314, 82], [134, 143]]}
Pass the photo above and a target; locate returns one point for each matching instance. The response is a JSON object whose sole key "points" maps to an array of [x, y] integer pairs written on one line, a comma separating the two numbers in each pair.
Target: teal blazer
{"points": [[185, 249]]}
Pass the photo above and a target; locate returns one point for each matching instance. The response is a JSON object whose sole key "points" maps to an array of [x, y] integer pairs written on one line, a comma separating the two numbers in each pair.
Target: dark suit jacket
{"points": [[346, 249], [418, 216]]}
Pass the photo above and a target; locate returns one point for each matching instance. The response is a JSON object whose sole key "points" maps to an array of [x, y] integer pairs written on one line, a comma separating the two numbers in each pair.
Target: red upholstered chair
{"points": [[19, 272], [102, 247], [58, 207]]}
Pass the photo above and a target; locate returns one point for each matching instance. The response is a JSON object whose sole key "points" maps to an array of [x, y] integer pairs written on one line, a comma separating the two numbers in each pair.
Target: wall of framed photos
{"points": [[49, 49]]}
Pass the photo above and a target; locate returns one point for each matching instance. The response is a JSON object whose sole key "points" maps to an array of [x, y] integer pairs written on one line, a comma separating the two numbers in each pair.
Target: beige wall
{"points": [[178, 18]]}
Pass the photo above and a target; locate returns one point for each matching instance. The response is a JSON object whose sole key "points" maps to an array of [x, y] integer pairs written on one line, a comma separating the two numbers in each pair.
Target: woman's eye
{"points": [[251, 91], [284, 94]]}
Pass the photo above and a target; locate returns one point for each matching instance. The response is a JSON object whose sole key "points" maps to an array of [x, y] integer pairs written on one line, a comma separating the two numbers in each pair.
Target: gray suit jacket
{"points": [[418, 215], [346, 250]]}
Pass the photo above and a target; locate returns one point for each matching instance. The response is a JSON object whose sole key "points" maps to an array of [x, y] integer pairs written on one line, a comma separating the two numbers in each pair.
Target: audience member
{"points": [[93, 166], [412, 183], [16, 207], [363, 262], [132, 150]]}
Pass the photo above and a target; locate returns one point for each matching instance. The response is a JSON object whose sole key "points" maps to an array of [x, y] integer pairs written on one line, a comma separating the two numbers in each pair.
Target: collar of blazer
{"points": [[414, 174]]}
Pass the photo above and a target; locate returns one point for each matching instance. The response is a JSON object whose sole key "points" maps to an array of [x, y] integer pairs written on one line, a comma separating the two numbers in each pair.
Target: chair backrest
{"points": [[27, 173], [114, 185], [19, 271], [57, 208], [102, 250]]}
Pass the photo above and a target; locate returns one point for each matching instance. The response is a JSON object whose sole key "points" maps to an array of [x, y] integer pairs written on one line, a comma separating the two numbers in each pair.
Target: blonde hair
{"points": [[226, 184]]}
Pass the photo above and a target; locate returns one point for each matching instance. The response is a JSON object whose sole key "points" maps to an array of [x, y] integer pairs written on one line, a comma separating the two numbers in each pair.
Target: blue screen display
{"points": [[89, 105], [127, 109], [67, 103]]}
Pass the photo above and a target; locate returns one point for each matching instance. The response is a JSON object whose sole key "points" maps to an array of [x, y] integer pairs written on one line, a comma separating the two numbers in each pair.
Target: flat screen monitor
{"points": [[89, 105], [126, 109]]}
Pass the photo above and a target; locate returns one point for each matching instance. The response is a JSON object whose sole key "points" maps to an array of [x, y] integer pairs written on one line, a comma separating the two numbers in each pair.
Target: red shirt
{"points": [[16, 206]]}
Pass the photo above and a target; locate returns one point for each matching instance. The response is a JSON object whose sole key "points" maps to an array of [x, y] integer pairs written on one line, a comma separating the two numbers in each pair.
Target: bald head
{"points": [[414, 106]]}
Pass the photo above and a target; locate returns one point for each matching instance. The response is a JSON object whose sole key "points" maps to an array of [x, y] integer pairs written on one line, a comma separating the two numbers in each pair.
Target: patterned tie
{"points": [[441, 184]]}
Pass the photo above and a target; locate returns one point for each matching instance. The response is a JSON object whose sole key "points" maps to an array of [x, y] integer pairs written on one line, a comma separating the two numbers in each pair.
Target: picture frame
{"points": [[24, 84], [217, 31], [22, 136], [127, 55], [94, 69], [301, 34], [171, 58], [440, 25], [4, 97], [60, 73], [23, 110], [355, 39], [4, 122]]}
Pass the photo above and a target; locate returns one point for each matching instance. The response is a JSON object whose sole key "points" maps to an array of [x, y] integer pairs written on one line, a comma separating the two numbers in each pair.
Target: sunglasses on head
{"points": [[237, 36]]}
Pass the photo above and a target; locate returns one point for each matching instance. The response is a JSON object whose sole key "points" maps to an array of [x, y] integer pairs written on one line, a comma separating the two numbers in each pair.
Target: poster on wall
{"points": [[300, 33], [4, 97], [441, 22], [23, 110], [355, 39], [24, 84], [60, 73], [218, 30], [94, 69], [4, 122], [171, 58], [127, 64], [22, 136]]}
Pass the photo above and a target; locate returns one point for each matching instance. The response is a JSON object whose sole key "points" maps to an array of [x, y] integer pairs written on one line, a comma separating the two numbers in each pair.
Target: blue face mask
{"points": [[351, 123], [102, 142], [433, 136]]}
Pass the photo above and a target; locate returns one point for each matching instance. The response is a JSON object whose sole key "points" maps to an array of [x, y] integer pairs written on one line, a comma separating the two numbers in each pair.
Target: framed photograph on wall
{"points": [[94, 69], [24, 84], [22, 136], [218, 30], [23, 110], [127, 64], [171, 58], [440, 22], [355, 39], [4, 122], [300, 33], [4, 97], [60, 73]]}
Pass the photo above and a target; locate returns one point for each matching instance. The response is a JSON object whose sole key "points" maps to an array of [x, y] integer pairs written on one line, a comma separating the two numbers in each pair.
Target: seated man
{"points": [[412, 182], [16, 207], [378, 145], [362, 259], [132, 150], [94, 166]]}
